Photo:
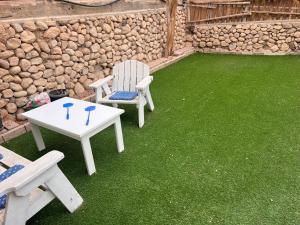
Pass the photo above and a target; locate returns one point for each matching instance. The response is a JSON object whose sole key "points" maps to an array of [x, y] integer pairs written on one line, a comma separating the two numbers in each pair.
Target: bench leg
{"points": [[38, 137], [16, 210], [119, 135], [61, 187], [88, 155]]}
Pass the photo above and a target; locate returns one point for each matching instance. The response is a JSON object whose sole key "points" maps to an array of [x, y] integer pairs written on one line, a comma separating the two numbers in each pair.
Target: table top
{"points": [[54, 116]]}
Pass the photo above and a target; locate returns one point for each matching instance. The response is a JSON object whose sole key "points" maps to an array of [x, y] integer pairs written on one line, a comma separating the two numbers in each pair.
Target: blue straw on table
{"points": [[68, 106], [89, 109]]}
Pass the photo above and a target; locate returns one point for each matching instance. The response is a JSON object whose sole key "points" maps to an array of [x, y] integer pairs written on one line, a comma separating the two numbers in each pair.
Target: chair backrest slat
{"points": [[127, 70], [127, 74], [133, 75]]}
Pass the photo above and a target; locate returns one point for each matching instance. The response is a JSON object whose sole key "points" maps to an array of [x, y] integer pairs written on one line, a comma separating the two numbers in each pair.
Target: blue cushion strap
{"points": [[6, 174], [124, 95]]}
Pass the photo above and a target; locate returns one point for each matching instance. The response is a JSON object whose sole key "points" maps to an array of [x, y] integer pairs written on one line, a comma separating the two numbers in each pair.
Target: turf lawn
{"points": [[221, 147]]}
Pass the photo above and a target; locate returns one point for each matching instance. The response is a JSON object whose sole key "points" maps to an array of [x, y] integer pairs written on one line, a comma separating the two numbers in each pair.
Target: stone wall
{"points": [[73, 52], [249, 38]]}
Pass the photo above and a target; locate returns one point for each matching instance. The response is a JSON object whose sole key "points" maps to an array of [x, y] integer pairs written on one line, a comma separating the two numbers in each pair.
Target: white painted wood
{"points": [[149, 100], [115, 72], [119, 135], [75, 127], [101, 82], [140, 72], [121, 76], [98, 94], [11, 158], [129, 75], [144, 83], [38, 199], [146, 71], [16, 210], [141, 115], [25, 198], [133, 75], [2, 169], [64, 191], [88, 155], [106, 89], [38, 136]]}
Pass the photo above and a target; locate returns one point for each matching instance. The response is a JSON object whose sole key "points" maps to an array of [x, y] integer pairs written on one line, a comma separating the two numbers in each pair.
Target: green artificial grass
{"points": [[221, 147]]}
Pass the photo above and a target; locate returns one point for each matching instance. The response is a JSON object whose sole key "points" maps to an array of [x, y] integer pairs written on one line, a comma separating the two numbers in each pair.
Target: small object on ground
{"points": [[68, 106], [38, 100], [89, 109], [57, 94]]}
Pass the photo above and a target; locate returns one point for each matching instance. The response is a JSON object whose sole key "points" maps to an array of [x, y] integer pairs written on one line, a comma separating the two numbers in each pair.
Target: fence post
{"points": [[171, 22]]}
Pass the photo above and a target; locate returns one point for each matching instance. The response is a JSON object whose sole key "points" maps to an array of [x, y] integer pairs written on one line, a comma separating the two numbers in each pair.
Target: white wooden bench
{"points": [[34, 186]]}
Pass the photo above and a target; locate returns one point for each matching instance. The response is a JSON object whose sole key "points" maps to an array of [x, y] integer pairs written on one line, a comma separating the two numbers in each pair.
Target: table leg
{"points": [[88, 155], [119, 135], [38, 137]]}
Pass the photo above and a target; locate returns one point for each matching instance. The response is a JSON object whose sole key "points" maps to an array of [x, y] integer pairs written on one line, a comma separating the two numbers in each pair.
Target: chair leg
{"points": [[16, 210], [149, 100], [61, 187], [141, 115]]}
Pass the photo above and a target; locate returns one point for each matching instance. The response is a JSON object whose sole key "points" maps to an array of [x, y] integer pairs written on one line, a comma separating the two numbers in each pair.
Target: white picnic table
{"points": [[53, 117]]}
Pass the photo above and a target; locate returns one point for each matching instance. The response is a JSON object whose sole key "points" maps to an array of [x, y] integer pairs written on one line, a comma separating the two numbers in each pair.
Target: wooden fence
{"points": [[217, 11]]}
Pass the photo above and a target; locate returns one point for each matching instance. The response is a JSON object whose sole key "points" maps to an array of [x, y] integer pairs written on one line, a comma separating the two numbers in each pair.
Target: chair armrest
{"points": [[30, 172], [143, 84], [101, 82]]}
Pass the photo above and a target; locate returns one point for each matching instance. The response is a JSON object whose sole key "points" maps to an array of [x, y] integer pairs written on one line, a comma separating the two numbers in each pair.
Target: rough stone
{"points": [[7, 93], [15, 87], [4, 86], [15, 70], [2, 103], [51, 33], [4, 64], [28, 36], [44, 46], [26, 82], [13, 61], [79, 89], [13, 43], [31, 90], [11, 107], [41, 25], [19, 94], [26, 47], [6, 54], [106, 28], [25, 64]]}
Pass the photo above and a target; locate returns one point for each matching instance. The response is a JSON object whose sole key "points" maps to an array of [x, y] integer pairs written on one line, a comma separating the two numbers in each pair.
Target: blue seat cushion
{"points": [[4, 176], [123, 95]]}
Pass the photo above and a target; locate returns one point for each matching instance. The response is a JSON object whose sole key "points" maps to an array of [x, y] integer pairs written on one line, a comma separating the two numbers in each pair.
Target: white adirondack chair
{"points": [[34, 186], [129, 75]]}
